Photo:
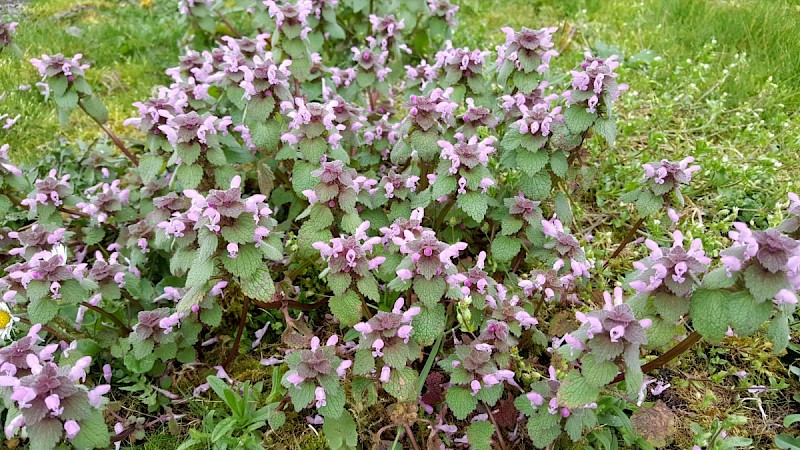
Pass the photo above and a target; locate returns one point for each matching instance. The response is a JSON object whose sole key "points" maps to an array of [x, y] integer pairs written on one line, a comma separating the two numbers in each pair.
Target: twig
{"points": [[242, 322], [228, 24], [53, 332], [411, 437], [671, 354], [627, 240], [113, 138], [496, 428]]}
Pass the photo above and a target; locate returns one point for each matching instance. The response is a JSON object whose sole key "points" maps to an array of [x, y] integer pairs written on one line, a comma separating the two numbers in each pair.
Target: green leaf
{"points": [[536, 187], [45, 434], [576, 391], [511, 225], [778, 332], [259, 285], [95, 108], [242, 231], [578, 119], [559, 164], [94, 432], [42, 310], [149, 167], [339, 282], [430, 291], [670, 307], [764, 284], [364, 362], [607, 128], [247, 261], [425, 143], [718, 279], [474, 204], [746, 315], [505, 248], [708, 311], [341, 432], [369, 288], [444, 185], [72, 292], [648, 203], [189, 176], [544, 429], [200, 272], [479, 435], [346, 308], [532, 162], [429, 324], [562, 207], [598, 373], [461, 401], [402, 384]]}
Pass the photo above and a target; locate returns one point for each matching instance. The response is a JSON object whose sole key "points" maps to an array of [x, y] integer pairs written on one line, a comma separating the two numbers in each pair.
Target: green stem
{"points": [[119, 323], [428, 364]]}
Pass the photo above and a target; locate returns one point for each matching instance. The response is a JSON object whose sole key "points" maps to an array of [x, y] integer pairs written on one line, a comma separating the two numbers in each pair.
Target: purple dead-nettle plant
{"points": [[44, 274], [463, 66], [597, 81], [443, 10], [608, 334], [426, 256], [153, 114], [396, 234], [314, 377], [475, 281], [51, 401], [387, 28], [49, 190], [104, 272], [266, 78], [343, 78], [371, 62], [566, 248], [7, 31], [37, 238], [465, 162], [337, 188], [350, 262], [524, 209], [6, 166], [507, 308], [313, 128], [674, 270], [387, 343], [431, 109], [104, 199], [398, 185], [526, 53], [662, 187], [421, 74], [58, 65], [474, 376], [545, 284], [291, 17], [475, 117]]}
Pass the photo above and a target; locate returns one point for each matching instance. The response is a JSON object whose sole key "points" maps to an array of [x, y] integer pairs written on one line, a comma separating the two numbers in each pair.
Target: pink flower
{"points": [[72, 428]]}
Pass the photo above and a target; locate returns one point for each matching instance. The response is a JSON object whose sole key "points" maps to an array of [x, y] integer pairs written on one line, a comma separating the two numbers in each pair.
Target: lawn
{"points": [[716, 79]]}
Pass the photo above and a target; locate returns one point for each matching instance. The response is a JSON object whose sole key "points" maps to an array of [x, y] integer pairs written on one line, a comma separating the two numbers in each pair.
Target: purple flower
{"points": [[597, 80], [444, 10], [5, 162], [56, 65], [466, 154], [674, 269], [527, 50], [348, 254]]}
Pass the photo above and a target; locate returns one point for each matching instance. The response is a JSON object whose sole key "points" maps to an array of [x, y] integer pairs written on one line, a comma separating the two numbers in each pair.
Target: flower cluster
{"points": [[467, 158], [526, 50], [566, 248], [314, 376], [597, 80], [104, 200], [311, 121], [291, 17], [434, 108], [60, 65], [7, 30], [5, 163], [50, 190], [338, 186], [51, 398], [426, 256], [387, 337], [347, 258], [444, 10], [675, 270]]}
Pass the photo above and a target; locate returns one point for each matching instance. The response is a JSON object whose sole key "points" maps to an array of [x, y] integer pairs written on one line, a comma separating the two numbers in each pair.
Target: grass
{"points": [[128, 46], [716, 79]]}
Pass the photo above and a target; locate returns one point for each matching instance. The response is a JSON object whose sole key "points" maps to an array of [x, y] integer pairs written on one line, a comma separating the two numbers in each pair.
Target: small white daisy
{"points": [[7, 321]]}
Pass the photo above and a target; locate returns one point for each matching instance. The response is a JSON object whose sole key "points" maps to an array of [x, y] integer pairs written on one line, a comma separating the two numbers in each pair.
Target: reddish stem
{"points": [[117, 141], [627, 240], [673, 353], [242, 322]]}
